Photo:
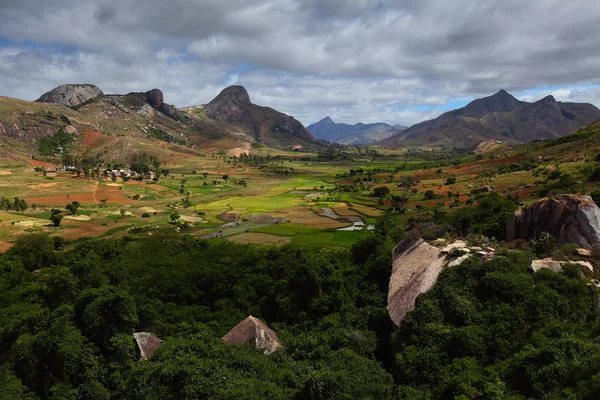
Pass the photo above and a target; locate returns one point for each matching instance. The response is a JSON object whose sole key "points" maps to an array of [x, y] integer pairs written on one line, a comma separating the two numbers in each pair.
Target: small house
{"points": [[50, 172]]}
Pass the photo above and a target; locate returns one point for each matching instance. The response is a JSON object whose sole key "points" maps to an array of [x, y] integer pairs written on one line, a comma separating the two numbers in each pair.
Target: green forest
{"points": [[488, 329]]}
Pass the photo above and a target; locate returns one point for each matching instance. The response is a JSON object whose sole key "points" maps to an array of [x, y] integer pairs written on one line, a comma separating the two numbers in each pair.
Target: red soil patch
{"points": [[40, 163], [4, 246], [61, 200], [89, 137]]}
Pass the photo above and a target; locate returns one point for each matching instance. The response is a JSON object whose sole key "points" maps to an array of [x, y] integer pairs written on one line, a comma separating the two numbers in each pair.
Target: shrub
{"points": [[145, 215]]}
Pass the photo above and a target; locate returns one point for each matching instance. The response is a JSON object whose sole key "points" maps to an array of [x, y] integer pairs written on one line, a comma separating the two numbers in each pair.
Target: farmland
{"points": [[292, 198]]}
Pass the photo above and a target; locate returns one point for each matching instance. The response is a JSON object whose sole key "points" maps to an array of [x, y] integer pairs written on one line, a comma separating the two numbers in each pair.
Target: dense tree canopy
{"points": [[487, 329]]}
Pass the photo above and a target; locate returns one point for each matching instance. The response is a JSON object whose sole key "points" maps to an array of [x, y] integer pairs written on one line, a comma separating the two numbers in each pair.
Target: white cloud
{"points": [[359, 60]]}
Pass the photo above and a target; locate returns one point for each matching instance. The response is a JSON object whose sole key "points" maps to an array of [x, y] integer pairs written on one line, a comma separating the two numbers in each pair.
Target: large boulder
{"points": [[415, 269], [147, 344], [71, 95], [570, 219], [155, 98], [254, 330]]}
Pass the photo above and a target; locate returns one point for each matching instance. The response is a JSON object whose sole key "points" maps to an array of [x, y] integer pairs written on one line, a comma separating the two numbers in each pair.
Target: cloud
{"points": [[397, 61]]}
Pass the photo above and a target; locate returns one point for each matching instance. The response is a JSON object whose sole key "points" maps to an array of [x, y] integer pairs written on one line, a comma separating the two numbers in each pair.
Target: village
{"points": [[101, 173]]}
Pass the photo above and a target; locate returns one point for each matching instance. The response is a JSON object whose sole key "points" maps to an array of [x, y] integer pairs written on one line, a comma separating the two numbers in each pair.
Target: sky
{"points": [[395, 61]]}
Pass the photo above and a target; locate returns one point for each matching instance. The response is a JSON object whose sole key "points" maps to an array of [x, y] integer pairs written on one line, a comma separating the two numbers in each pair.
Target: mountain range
{"points": [[117, 123], [327, 129], [499, 117]]}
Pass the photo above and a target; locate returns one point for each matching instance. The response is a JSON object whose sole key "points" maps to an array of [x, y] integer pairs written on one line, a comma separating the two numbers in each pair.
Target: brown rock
{"points": [[147, 344], [253, 329], [155, 98], [570, 219], [415, 269]]}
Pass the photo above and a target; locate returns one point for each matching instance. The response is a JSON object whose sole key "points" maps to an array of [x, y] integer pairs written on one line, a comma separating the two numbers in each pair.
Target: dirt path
{"points": [[94, 193]]}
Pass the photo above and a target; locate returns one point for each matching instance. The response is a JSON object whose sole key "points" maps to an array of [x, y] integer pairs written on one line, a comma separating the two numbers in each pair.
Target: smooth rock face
{"points": [[415, 269], [155, 98], [71, 95], [253, 329], [570, 219], [147, 344]]}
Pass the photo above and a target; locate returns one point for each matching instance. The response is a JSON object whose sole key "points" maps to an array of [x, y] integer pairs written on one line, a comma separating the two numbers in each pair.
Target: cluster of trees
{"points": [[486, 330], [16, 205], [56, 145]]}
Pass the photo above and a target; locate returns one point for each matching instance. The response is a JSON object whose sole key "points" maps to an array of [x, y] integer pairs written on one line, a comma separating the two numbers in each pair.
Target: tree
{"points": [[205, 175], [36, 250], [73, 207], [429, 195], [451, 180], [174, 217], [56, 217], [165, 172], [406, 183], [381, 191], [225, 177]]}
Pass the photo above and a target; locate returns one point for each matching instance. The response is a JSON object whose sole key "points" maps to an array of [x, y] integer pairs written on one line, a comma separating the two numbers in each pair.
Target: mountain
{"points": [[119, 123], [234, 110], [359, 133], [499, 117]]}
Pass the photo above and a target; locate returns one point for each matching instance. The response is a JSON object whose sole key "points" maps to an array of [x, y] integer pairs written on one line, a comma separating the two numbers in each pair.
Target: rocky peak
{"points": [[71, 95], [499, 102], [155, 98], [231, 105], [570, 219]]}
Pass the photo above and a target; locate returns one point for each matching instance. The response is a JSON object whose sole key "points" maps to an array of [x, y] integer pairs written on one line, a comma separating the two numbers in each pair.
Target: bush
{"points": [[544, 244], [595, 195], [145, 215]]}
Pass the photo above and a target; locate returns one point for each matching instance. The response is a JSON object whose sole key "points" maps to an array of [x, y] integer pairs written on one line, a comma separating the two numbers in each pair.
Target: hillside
{"points": [[117, 126], [500, 117], [359, 133]]}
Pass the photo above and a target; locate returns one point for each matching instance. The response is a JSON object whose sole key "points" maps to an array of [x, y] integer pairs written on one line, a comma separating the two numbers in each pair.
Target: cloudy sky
{"points": [[396, 61]]}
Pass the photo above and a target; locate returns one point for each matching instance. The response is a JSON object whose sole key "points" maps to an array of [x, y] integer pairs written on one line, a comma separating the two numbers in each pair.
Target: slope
{"points": [[500, 117]]}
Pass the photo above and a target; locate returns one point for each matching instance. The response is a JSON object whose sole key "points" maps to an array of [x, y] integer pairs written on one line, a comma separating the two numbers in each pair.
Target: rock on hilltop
{"points": [[71, 95], [231, 105]]}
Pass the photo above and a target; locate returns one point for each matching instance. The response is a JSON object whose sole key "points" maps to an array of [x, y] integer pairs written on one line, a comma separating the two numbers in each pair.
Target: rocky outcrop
{"points": [[155, 98], [416, 266], [147, 344], [415, 269], [557, 266], [71, 95], [231, 105], [268, 126], [254, 330], [570, 219]]}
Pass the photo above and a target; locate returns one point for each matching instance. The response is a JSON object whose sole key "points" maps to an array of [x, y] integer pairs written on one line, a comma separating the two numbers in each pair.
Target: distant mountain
{"points": [[359, 133], [499, 117]]}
